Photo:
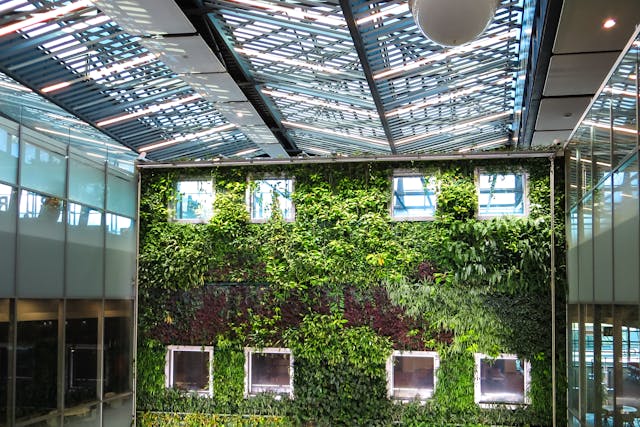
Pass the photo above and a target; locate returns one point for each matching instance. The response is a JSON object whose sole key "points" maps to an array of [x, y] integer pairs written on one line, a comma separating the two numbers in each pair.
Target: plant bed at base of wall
{"points": [[341, 286]]}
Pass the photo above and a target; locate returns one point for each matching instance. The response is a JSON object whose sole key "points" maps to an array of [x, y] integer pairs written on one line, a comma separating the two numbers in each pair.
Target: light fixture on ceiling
{"points": [[452, 22], [609, 23]]}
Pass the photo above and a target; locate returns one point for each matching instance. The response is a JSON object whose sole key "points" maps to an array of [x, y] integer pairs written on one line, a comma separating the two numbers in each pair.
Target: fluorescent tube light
{"points": [[42, 17], [149, 110]]}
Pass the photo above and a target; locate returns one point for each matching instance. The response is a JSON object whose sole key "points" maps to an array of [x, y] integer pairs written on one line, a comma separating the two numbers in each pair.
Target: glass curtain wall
{"points": [[603, 236], [68, 206]]}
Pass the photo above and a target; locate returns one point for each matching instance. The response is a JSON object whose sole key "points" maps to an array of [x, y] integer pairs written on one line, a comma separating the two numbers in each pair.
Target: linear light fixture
{"points": [[81, 138], [607, 126], [332, 132], [179, 139], [66, 119], [435, 100], [152, 109], [286, 60], [42, 17], [614, 91], [483, 145], [451, 128], [312, 101], [98, 74], [298, 13], [469, 47], [606, 165], [245, 152], [393, 10], [14, 86]]}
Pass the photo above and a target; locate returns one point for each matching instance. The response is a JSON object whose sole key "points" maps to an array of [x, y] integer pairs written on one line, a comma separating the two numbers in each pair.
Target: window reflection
{"points": [[501, 380], [117, 347], [4, 359], [194, 200], [268, 192], [81, 351], [413, 374], [502, 194], [36, 358], [269, 371], [189, 368], [413, 197]]}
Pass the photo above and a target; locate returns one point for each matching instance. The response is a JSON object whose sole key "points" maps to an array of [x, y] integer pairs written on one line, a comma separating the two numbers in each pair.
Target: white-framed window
{"points": [[194, 200], [264, 193], [411, 375], [413, 198], [502, 194], [501, 380], [190, 368], [268, 370]]}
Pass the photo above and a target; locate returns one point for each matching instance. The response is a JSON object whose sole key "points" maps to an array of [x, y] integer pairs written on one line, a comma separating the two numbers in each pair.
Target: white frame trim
{"points": [[279, 390], [480, 171], [477, 377], [173, 211], [401, 173], [249, 196], [168, 366], [390, 380]]}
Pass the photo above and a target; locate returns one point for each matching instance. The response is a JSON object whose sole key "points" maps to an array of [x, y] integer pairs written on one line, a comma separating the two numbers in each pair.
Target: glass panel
{"points": [[628, 385], [622, 87], [502, 381], [585, 250], [36, 358], [117, 412], [603, 242], [262, 198], [85, 252], [413, 197], [190, 370], [117, 347], [8, 151], [8, 217], [120, 256], [42, 169], [502, 194], [81, 354], [573, 171], [122, 193], [573, 272], [573, 370], [626, 216], [413, 377], [599, 119], [604, 378], [194, 200], [588, 374], [41, 240], [270, 372], [86, 181], [82, 416], [4, 359]]}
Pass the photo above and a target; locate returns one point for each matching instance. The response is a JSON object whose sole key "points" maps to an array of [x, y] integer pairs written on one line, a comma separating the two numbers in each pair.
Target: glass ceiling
{"points": [[340, 77]]}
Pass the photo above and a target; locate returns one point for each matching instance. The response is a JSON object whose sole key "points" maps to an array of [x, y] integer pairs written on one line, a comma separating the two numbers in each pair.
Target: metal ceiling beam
{"points": [[203, 19], [366, 68], [322, 160]]}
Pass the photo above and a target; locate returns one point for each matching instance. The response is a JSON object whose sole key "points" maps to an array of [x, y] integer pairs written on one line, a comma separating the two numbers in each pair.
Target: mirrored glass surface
{"points": [[85, 252], [9, 150], [502, 381], [81, 354], [8, 217]]}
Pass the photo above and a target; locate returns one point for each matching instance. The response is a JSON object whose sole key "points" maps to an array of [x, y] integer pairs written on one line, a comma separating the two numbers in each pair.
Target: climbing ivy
{"points": [[342, 286]]}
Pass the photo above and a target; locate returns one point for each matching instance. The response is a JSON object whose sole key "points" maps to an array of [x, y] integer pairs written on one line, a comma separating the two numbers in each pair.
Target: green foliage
{"points": [[163, 419], [457, 200], [469, 285], [346, 366]]}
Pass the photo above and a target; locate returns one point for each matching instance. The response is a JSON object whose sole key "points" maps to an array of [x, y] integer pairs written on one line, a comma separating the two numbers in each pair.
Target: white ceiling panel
{"points": [[561, 113], [141, 17], [580, 28], [240, 113], [259, 134], [185, 55], [577, 74], [215, 87], [549, 138]]}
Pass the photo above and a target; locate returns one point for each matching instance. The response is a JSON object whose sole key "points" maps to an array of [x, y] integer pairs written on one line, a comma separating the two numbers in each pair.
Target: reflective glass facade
{"points": [[604, 255], [67, 273]]}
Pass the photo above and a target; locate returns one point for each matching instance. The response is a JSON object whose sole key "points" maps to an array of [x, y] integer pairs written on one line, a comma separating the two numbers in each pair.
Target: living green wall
{"points": [[342, 286]]}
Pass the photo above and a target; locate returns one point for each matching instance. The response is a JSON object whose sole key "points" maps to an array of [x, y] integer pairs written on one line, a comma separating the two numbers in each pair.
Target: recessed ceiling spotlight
{"points": [[609, 23]]}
